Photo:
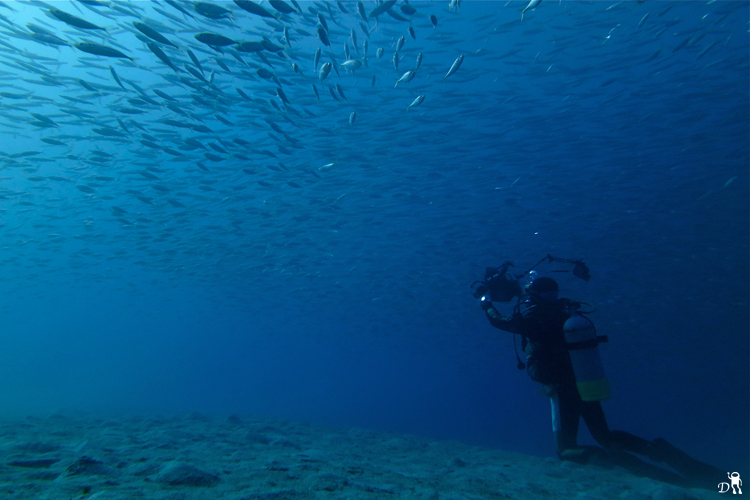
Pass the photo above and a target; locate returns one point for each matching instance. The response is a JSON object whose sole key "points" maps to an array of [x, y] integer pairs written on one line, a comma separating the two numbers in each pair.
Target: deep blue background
{"points": [[347, 301]]}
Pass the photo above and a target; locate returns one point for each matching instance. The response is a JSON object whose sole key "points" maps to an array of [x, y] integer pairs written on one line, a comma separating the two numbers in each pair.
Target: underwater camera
{"points": [[501, 286], [498, 283]]}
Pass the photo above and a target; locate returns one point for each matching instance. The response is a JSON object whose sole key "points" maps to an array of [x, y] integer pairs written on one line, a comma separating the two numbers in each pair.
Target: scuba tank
{"points": [[582, 343]]}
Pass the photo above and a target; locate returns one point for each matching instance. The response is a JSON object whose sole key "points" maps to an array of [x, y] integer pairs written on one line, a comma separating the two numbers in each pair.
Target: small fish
{"points": [[282, 96], [270, 46], [395, 60], [419, 61], [406, 77], [54, 142], [281, 6], [354, 39], [47, 121], [400, 43], [365, 30], [382, 8], [379, 53], [99, 50], [352, 117], [323, 35], [117, 78], [250, 47], [454, 67], [223, 66], [73, 20], [316, 59], [325, 70], [161, 55], [164, 96], [109, 132], [372, 81], [412, 33], [211, 11], [361, 10], [340, 90], [253, 8], [315, 89], [327, 166], [48, 38], [706, 49], [433, 20], [214, 40], [416, 102], [643, 20], [152, 33], [351, 64], [322, 21], [224, 121], [195, 60], [532, 4], [654, 55], [408, 9]]}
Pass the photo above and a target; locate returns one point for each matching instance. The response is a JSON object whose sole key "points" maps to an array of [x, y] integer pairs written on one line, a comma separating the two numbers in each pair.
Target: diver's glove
{"points": [[485, 303]]}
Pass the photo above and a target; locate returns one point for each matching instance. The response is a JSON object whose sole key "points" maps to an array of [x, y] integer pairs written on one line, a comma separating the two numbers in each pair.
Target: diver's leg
{"points": [[700, 474], [618, 443], [566, 414], [593, 415]]}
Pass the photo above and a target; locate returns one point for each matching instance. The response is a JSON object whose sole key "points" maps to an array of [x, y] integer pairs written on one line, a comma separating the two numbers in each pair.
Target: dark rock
{"points": [[284, 442], [253, 437], [33, 464], [281, 495], [44, 476], [142, 470], [234, 419], [37, 447], [177, 474], [88, 467]]}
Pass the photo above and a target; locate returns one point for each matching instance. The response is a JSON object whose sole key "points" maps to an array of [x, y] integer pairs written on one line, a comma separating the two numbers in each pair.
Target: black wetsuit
{"points": [[540, 325]]}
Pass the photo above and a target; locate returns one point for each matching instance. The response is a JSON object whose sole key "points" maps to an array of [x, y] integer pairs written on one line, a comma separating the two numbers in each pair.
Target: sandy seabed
{"points": [[197, 457]]}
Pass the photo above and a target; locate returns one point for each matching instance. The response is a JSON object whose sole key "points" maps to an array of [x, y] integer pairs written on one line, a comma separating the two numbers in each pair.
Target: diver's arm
{"points": [[506, 323]]}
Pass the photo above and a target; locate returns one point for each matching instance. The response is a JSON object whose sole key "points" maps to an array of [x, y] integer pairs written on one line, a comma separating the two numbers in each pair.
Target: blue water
{"points": [[275, 283]]}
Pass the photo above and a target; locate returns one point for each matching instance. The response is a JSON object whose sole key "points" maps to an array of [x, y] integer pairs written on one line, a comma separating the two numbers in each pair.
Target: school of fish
{"points": [[283, 140]]}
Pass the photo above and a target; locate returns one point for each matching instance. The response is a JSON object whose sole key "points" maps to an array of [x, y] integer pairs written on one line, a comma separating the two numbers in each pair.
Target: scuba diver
{"points": [[561, 347]]}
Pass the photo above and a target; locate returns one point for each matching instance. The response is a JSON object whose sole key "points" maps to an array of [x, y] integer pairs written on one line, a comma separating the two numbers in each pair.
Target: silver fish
{"points": [[454, 67], [351, 64], [325, 70], [354, 39], [406, 77], [416, 102], [531, 5]]}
